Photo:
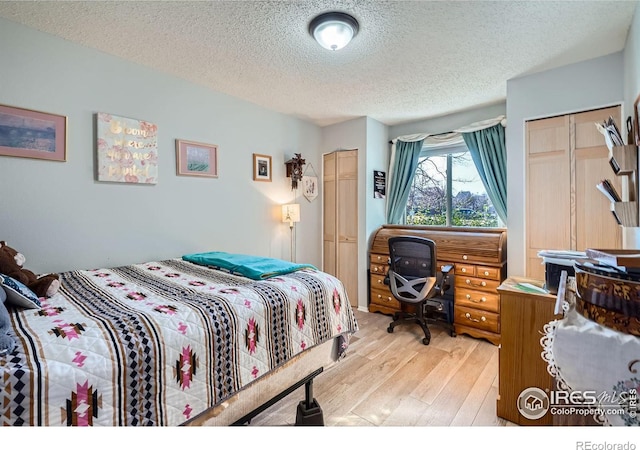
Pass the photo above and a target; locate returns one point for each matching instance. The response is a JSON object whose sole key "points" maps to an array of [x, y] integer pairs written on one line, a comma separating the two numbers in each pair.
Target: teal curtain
{"points": [[403, 170], [489, 153]]}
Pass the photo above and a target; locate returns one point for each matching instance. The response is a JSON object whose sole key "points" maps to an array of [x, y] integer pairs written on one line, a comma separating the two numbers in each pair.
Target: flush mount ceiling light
{"points": [[333, 30]]}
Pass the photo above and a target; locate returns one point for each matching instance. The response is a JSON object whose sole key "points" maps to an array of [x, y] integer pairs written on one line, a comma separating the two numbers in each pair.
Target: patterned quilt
{"points": [[160, 342]]}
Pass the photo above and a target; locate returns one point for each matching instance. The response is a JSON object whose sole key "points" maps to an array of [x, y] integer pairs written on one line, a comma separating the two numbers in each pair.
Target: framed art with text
{"points": [[127, 150], [32, 134]]}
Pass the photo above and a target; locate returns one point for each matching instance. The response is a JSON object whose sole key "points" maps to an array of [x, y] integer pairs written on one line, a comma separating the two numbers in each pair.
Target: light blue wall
{"points": [[62, 219]]}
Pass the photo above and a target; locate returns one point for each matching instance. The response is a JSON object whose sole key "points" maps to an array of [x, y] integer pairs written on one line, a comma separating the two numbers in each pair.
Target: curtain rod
{"points": [[436, 134]]}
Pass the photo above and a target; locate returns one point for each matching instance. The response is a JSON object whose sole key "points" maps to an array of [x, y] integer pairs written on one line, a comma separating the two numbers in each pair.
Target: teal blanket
{"points": [[254, 267]]}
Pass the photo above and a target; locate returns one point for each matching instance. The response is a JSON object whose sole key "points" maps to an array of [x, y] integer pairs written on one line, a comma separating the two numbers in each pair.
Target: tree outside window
{"points": [[447, 191]]}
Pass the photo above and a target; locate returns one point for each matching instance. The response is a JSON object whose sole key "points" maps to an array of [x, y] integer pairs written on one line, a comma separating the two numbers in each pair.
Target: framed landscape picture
{"points": [[32, 134], [196, 159], [261, 167]]}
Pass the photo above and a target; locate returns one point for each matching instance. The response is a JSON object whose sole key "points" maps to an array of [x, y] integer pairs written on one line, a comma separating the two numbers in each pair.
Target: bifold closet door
{"points": [[340, 219], [548, 190], [566, 158]]}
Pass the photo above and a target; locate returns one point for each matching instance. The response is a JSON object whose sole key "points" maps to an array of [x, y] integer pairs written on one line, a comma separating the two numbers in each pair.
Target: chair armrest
{"points": [[446, 269]]}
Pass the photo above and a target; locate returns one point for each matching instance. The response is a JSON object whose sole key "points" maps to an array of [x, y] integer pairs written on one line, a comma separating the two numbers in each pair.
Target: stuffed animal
{"points": [[7, 342], [11, 262]]}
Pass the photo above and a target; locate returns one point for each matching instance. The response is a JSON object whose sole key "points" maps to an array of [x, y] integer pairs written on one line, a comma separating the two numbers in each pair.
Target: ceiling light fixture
{"points": [[333, 30]]}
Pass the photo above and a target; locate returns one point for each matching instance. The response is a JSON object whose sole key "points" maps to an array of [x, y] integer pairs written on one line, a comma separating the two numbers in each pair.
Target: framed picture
{"points": [[32, 134], [196, 159], [261, 167]]}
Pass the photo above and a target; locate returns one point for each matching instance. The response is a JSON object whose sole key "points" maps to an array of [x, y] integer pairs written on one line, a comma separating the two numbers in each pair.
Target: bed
{"points": [[170, 342]]}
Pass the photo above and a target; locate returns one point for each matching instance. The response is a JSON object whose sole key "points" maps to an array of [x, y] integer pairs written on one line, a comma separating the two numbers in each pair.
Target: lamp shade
{"points": [[333, 30], [291, 213]]}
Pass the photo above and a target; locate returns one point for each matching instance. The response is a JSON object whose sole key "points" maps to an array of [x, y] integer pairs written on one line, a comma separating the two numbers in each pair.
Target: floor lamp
{"points": [[291, 214]]}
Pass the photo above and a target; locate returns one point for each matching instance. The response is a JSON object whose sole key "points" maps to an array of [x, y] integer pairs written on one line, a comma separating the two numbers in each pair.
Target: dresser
{"points": [[520, 366], [479, 258]]}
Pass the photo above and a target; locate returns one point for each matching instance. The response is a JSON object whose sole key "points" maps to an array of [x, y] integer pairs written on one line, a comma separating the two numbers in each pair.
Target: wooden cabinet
{"points": [[340, 219], [566, 157], [522, 319], [479, 258]]}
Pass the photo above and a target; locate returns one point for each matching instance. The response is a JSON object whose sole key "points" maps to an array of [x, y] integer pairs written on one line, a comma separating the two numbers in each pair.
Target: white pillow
{"points": [[18, 294]]}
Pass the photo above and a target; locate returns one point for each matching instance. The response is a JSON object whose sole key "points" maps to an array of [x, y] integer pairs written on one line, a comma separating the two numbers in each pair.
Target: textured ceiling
{"points": [[411, 59]]}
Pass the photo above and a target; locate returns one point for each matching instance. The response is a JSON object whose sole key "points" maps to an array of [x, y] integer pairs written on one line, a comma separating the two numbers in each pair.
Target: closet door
{"points": [[595, 226], [548, 190], [566, 158], [329, 213], [340, 219], [347, 222]]}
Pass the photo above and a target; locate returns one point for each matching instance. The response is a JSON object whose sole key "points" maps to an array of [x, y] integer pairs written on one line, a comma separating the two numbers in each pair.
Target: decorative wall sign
{"points": [[379, 184], [196, 159], [127, 150], [261, 167], [310, 187], [32, 134]]}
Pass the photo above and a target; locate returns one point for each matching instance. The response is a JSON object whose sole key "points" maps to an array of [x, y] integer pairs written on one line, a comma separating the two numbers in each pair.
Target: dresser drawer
{"points": [[490, 273], [384, 297], [377, 281], [378, 269], [465, 269], [477, 299], [477, 283], [376, 258], [476, 318]]}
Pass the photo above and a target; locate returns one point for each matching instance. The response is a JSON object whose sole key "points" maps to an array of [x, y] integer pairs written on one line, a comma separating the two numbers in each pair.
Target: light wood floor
{"points": [[392, 379]]}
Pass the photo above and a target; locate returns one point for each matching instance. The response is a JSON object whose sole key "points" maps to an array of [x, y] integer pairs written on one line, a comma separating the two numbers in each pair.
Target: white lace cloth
{"points": [[594, 361]]}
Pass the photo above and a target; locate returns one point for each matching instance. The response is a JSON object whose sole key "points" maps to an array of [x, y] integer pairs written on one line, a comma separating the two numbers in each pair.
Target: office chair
{"points": [[414, 282]]}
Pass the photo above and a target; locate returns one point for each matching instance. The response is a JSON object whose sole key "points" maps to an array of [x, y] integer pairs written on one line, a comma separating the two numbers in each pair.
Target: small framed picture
{"points": [[32, 134], [261, 167], [196, 159]]}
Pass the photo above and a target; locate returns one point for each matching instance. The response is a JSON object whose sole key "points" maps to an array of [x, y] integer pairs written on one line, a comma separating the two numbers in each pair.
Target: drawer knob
{"points": [[375, 269], [484, 283], [379, 258], [486, 272], [379, 297], [464, 269], [468, 297], [465, 257], [379, 281]]}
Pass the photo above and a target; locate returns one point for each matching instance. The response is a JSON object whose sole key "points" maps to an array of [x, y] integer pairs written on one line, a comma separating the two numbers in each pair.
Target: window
{"points": [[447, 191]]}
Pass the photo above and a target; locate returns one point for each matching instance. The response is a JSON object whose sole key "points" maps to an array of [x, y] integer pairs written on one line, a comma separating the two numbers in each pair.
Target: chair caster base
{"points": [[426, 341], [389, 329]]}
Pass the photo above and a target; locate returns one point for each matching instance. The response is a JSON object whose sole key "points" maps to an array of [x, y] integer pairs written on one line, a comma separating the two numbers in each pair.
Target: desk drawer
{"points": [[384, 297], [476, 318], [377, 282], [490, 273], [465, 270], [477, 283], [477, 299]]}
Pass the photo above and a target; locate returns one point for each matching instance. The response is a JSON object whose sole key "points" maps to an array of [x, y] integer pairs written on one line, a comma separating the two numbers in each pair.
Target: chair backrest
{"points": [[412, 256]]}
